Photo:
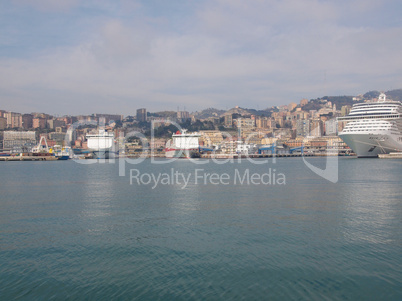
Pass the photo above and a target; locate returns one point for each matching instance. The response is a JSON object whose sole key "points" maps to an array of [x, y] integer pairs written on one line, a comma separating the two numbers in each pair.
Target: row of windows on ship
{"points": [[373, 117]]}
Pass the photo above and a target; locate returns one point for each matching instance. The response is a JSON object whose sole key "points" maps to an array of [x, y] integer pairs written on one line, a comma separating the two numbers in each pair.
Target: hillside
{"points": [[210, 112], [392, 94], [314, 104], [339, 101], [395, 94]]}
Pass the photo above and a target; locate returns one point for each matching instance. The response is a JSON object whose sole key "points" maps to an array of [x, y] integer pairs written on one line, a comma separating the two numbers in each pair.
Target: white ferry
{"points": [[374, 128], [183, 145], [101, 143]]}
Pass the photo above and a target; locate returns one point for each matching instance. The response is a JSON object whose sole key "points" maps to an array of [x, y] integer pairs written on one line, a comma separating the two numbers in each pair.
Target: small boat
{"points": [[62, 153]]}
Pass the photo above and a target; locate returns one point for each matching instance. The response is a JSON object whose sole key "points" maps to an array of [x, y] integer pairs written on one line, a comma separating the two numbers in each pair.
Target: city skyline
{"points": [[73, 58]]}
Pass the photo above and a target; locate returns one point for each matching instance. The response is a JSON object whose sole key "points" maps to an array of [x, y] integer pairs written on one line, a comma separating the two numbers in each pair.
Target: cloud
{"points": [[48, 5], [254, 53]]}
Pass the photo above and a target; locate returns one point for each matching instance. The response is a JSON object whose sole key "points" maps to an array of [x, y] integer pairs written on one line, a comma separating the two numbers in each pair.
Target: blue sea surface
{"points": [[71, 231]]}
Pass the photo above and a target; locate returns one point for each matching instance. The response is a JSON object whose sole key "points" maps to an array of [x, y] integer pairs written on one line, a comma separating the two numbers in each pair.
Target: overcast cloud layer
{"points": [[80, 57]]}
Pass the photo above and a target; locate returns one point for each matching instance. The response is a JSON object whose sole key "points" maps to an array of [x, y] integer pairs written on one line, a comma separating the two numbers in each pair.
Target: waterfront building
{"points": [[157, 143], [215, 120], [269, 140], [27, 121], [263, 123], [253, 136], [300, 115], [59, 123], [3, 123], [302, 128], [316, 128], [14, 120], [50, 124], [55, 123], [297, 142], [106, 118], [183, 116], [71, 135], [345, 110], [68, 119], [284, 133], [245, 123], [246, 148], [291, 106], [210, 138], [228, 146], [60, 129], [142, 115], [327, 143], [282, 108], [303, 102], [331, 127], [17, 139], [279, 121], [228, 120], [42, 115], [59, 137], [38, 123], [314, 114], [85, 118], [244, 126]]}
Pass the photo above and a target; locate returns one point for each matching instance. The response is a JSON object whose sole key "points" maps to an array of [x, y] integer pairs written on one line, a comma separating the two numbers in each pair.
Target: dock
{"points": [[397, 155], [256, 156], [28, 158]]}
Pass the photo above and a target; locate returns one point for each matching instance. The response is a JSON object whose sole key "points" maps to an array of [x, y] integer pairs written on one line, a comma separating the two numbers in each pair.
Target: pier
{"points": [[391, 156], [257, 156], [28, 158]]}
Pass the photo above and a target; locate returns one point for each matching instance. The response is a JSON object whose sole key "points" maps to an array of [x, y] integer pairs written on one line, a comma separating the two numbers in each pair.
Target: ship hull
{"points": [[103, 154], [181, 153], [371, 145], [63, 154], [63, 157]]}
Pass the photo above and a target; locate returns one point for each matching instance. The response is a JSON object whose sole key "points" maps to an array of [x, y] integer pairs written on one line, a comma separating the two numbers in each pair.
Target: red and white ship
{"points": [[183, 145]]}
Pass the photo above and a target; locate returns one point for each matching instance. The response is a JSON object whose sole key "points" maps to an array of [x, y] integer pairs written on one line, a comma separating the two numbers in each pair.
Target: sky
{"points": [[115, 56]]}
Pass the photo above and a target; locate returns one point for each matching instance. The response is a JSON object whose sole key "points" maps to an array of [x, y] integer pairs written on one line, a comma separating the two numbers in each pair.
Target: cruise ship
{"points": [[373, 128], [183, 145]]}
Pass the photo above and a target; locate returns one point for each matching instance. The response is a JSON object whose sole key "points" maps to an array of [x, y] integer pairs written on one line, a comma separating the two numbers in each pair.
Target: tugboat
{"points": [[62, 153]]}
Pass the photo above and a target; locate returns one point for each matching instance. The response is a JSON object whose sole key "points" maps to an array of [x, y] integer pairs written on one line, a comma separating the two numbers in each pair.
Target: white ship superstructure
{"points": [[101, 143], [183, 145], [374, 128]]}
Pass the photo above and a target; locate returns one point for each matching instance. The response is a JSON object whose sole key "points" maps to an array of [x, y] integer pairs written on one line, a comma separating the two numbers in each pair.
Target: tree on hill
{"points": [[339, 101], [395, 94], [313, 104], [371, 94]]}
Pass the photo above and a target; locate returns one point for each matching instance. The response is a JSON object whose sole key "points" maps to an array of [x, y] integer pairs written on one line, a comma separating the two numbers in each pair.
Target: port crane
{"points": [[271, 148], [300, 148], [41, 148]]}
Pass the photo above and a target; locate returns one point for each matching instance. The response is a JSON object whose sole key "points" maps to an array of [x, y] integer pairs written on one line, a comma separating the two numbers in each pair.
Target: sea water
{"points": [[101, 231]]}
